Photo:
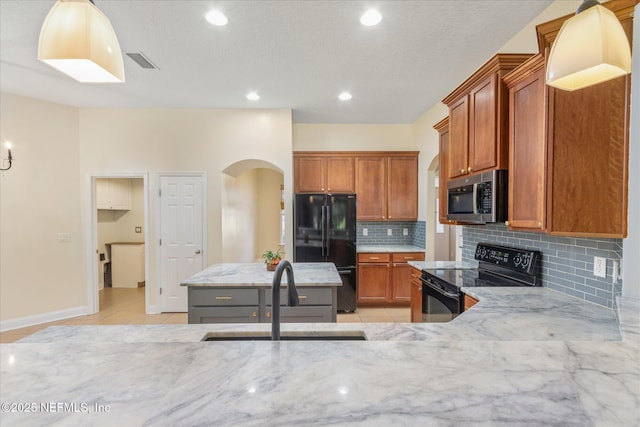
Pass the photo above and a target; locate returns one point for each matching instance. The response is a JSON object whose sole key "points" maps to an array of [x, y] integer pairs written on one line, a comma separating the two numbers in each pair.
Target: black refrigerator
{"points": [[325, 231]]}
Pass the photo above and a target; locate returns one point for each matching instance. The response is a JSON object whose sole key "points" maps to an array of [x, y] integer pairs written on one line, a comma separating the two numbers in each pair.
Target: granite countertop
{"points": [[256, 274], [525, 357], [388, 248]]}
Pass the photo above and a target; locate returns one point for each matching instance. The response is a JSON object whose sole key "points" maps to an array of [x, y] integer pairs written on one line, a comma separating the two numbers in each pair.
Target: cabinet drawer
{"points": [[374, 257], [223, 315], [222, 297], [307, 296], [303, 314], [408, 256]]}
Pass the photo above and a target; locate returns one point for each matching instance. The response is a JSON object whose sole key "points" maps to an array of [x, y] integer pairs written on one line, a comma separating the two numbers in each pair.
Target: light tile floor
{"points": [[121, 306]]}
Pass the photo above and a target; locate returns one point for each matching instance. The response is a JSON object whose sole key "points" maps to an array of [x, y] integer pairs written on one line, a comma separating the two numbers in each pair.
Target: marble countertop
{"points": [[256, 274], [443, 265], [525, 357], [388, 248]]}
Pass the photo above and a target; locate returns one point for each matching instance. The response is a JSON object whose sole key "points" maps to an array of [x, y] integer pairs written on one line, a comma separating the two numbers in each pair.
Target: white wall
{"points": [[352, 137], [47, 191], [39, 198]]}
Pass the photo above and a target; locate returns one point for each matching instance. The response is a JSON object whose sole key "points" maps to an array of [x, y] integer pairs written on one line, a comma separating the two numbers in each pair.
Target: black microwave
{"points": [[479, 198]]}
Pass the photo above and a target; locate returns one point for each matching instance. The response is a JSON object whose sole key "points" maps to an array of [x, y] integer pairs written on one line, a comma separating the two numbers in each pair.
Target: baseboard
{"points": [[38, 319], [153, 309]]}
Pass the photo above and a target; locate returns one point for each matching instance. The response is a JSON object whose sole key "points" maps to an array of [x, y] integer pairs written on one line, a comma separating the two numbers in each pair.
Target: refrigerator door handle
{"points": [[328, 223], [322, 228]]}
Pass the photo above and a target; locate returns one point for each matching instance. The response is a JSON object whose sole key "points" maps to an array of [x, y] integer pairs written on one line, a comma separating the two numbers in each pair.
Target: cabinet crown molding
{"points": [[499, 62]]}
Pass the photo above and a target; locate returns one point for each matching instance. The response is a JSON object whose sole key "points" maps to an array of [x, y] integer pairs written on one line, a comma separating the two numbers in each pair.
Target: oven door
{"points": [[439, 303]]}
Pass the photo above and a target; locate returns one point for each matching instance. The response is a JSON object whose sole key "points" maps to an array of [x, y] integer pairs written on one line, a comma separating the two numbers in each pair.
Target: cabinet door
{"points": [[309, 174], [416, 298], [340, 175], [527, 153], [402, 190], [103, 200], [459, 137], [401, 283], [373, 281], [443, 174], [120, 193], [588, 160], [371, 187], [483, 153]]}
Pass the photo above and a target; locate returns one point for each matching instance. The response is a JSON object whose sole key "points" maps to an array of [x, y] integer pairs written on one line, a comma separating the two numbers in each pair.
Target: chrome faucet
{"points": [[275, 296]]}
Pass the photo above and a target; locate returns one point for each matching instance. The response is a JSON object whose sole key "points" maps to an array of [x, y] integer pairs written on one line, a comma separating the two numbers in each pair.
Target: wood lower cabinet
{"points": [[469, 302], [416, 294], [253, 305], [385, 278]]}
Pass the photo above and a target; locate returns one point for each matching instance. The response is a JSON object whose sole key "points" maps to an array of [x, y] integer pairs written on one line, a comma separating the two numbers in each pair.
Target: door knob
{"points": [[197, 251]]}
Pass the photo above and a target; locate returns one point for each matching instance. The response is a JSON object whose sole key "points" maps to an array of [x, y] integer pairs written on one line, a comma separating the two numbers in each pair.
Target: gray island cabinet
{"points": [[241, 293]]}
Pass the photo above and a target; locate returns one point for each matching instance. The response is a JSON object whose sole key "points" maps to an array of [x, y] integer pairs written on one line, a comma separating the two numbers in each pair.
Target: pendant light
{"points": [[77, 39], [590, 48]]}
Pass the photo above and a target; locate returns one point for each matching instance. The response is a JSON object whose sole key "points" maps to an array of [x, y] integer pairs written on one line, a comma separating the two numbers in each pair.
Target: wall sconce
{"points": [[590, 48], [9, 157], [77, 39]]}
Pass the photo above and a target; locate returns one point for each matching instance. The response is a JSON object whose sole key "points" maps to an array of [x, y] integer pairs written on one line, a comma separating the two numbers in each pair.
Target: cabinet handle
{"points": [[197, 251], [254, 314], [302, 297], [224, 298], [408, 257], [322, 188], [469, 169], [268, 315], [374, 257], [506, 223], [382, 216], [462, 171]]}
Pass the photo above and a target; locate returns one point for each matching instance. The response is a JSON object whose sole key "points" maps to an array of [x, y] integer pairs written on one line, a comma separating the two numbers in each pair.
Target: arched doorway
{"points": [[252, 210]]}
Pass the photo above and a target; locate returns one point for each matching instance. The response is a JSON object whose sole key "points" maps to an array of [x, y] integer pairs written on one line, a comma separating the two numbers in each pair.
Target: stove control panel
{"points": [[516, 259]]}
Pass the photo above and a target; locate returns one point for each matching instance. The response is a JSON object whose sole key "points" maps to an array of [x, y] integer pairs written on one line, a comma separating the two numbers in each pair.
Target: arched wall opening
{"points": [[251, 210]]}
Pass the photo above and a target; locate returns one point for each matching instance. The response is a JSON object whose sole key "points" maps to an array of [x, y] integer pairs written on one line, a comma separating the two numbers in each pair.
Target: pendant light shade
{"points": [[590, 48], [77, 39]]}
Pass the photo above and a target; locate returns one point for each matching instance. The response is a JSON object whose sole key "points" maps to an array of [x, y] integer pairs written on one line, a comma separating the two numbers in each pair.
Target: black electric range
{"points": [[442, 298]]}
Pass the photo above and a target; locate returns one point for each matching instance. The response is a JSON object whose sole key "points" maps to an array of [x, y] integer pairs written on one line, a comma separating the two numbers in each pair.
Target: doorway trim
{"points": [[158, 308], [93, 301]]}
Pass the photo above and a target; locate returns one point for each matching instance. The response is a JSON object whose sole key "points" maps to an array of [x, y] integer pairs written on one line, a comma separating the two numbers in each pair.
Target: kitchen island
{"points": [[241, 293], [525, 357]]}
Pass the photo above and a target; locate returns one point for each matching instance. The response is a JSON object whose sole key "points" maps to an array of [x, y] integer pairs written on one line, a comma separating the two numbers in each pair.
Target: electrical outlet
{"points": [[389, 232], [365, 231], [405, 231], [616, 272], [138, 229], [599, 266]]}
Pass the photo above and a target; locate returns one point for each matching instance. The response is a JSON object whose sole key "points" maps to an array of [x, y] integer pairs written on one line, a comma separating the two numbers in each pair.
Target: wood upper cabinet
{"points": [[387, 186], [371, 188], [402, 190], [478, 117], [569, 150], [527, 146], [323, 173], [443, 169]]}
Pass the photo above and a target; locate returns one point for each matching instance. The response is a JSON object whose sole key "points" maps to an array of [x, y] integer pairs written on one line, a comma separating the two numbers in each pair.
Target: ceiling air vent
{"points": [[141, 60]]}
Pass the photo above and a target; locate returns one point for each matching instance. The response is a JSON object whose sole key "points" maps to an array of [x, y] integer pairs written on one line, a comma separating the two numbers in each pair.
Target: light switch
{"points": [[365, 231], [405, 231], [389, 232]]}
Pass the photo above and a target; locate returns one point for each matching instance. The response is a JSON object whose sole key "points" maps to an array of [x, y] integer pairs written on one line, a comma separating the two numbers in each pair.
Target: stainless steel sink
{"points": [[287, 336]]}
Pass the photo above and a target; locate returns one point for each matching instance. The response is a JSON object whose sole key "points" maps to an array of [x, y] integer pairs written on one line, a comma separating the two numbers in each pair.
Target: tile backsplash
{"points": [[567, 262], [377, 233]]}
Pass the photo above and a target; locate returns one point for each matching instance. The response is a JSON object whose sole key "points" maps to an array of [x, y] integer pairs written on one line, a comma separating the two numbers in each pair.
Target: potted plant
{"points": [[271, 258]]}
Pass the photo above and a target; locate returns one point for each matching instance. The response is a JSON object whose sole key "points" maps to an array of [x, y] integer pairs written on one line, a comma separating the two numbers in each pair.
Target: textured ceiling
{"points": [[297, 55]]}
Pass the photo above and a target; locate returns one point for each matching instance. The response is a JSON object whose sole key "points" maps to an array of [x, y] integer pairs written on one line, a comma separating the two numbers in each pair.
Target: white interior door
{"points": [[181, 237]]}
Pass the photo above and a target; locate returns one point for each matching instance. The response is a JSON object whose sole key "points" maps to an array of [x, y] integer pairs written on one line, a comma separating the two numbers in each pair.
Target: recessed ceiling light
{"points": [[252, 96], [371, 17], [215, 17], [345, 96]]}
